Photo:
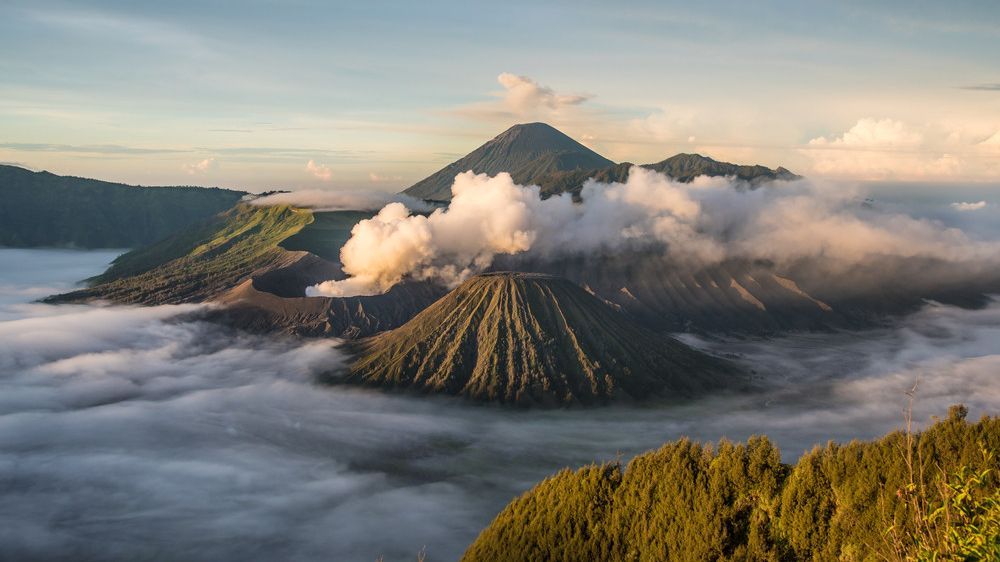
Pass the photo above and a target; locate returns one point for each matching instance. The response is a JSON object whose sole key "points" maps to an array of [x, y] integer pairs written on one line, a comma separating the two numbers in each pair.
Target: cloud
{"points": [[696, 224], [968, 206], [991, 87], [340, 200], [525, 99], [378, 178], [201, 167], [524, 96], [137, 430], [884, 149], [88, 149], [319, 171]]}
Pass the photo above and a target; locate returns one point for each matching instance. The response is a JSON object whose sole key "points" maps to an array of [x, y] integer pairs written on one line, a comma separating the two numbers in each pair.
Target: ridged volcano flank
{"points": [[527, 338], [528, 152]]}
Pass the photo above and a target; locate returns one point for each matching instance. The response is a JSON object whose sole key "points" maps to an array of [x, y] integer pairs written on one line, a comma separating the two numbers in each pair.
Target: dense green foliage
{"points": [[522, 338], [201, 262], [688, 501], [43, 209]]}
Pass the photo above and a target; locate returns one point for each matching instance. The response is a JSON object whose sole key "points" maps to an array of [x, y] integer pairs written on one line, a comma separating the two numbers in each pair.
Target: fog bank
{"points": [[144, 432]]}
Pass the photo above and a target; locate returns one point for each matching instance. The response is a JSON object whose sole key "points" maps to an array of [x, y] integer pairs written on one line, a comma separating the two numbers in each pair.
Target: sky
{"points": [[259, 95]]}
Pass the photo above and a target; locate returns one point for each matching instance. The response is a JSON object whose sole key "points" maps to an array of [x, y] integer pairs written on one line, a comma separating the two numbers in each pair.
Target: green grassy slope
{"points": [[533, 339], [327, 234], [201, 262], [692, 502], [43, 209]]}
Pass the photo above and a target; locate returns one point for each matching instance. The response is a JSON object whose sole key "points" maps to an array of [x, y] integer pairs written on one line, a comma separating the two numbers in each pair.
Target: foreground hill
{"points": [[522, 338], [687, 501], [527, 152], [43, 209]]}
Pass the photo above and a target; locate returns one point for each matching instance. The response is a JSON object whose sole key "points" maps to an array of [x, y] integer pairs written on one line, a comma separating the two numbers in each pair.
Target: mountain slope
{"points": [[686, 167], [527, 152], [43, 209], [681, 167], [200, 263], [521, 338]]}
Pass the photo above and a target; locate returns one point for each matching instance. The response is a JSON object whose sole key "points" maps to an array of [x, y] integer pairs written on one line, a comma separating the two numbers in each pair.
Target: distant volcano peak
{"points": [[526, 151]]}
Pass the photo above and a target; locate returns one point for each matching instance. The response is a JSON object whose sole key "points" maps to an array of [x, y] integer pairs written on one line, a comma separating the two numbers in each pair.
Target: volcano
{"points": [[532, 339], [527, 151]]}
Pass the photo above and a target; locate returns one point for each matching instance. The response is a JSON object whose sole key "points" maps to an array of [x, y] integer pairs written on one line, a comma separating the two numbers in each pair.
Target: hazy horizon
{"points": [[347, 96]]}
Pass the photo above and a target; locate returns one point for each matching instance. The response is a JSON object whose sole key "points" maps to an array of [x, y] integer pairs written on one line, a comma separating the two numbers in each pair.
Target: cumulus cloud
{"points": [[523, 95], [881, 149], [201, 167], [340, 200], [697, 223], [968, 206], [890, 149], [379, 178], [319, 171]]}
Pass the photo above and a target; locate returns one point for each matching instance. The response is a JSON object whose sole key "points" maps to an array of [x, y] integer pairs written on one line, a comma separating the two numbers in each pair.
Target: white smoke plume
{"points": [[340, 200], [702, 222]]}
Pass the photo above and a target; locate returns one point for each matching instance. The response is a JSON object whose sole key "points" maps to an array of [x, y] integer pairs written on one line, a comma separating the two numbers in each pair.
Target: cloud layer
{"points": [[698, 223], [340, 200], [129, 432]]}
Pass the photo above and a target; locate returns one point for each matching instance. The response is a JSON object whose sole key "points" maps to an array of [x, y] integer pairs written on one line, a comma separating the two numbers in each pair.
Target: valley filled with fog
{"points": [[131, 431]]}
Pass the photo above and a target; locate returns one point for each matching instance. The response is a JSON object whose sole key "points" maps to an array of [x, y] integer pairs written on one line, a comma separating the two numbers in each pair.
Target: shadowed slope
{"points": [[527, 338], [44, 209]]}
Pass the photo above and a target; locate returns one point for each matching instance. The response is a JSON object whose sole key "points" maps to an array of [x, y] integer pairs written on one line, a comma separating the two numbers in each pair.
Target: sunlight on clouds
{"points": [[320, 171], [201, 167]]}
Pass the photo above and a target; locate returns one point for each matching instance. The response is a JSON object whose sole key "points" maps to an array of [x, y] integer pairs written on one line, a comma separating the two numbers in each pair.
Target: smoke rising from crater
{"points": [[697, 223]]}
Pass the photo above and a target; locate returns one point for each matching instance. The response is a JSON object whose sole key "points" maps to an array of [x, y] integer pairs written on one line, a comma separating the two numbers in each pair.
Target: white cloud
{"points": [[379, 178], [320, 171], [697, 223], [524, 95], [887, 149], [201, 167], [968, 206], [339, 200]]}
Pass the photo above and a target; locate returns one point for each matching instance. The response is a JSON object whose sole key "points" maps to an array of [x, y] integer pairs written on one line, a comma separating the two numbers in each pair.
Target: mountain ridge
{"points": [[43, 209], [539, 154]]}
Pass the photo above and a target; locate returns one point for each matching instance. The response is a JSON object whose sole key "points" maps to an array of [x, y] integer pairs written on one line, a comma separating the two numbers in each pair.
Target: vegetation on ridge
{"points": [[43, 209], [927, 496], [199, 263]]}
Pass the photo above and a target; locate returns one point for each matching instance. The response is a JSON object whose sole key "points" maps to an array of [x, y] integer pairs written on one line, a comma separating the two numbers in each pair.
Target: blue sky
{"points": [[379, 94]]}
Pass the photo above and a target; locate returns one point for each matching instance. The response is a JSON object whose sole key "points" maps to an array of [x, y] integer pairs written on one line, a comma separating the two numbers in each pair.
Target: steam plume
{"points": [[697, 223]]}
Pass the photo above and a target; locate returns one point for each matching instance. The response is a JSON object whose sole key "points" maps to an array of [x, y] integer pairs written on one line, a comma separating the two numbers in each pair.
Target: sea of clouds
{"points": [[131, 433]]}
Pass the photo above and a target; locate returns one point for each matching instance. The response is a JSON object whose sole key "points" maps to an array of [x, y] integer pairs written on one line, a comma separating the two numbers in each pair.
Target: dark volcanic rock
{"points": [[522, 338]]}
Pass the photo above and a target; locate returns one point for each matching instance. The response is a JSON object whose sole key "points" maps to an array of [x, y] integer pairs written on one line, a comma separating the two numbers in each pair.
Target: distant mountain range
{"points": [[43, 209], [536, 153]]}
